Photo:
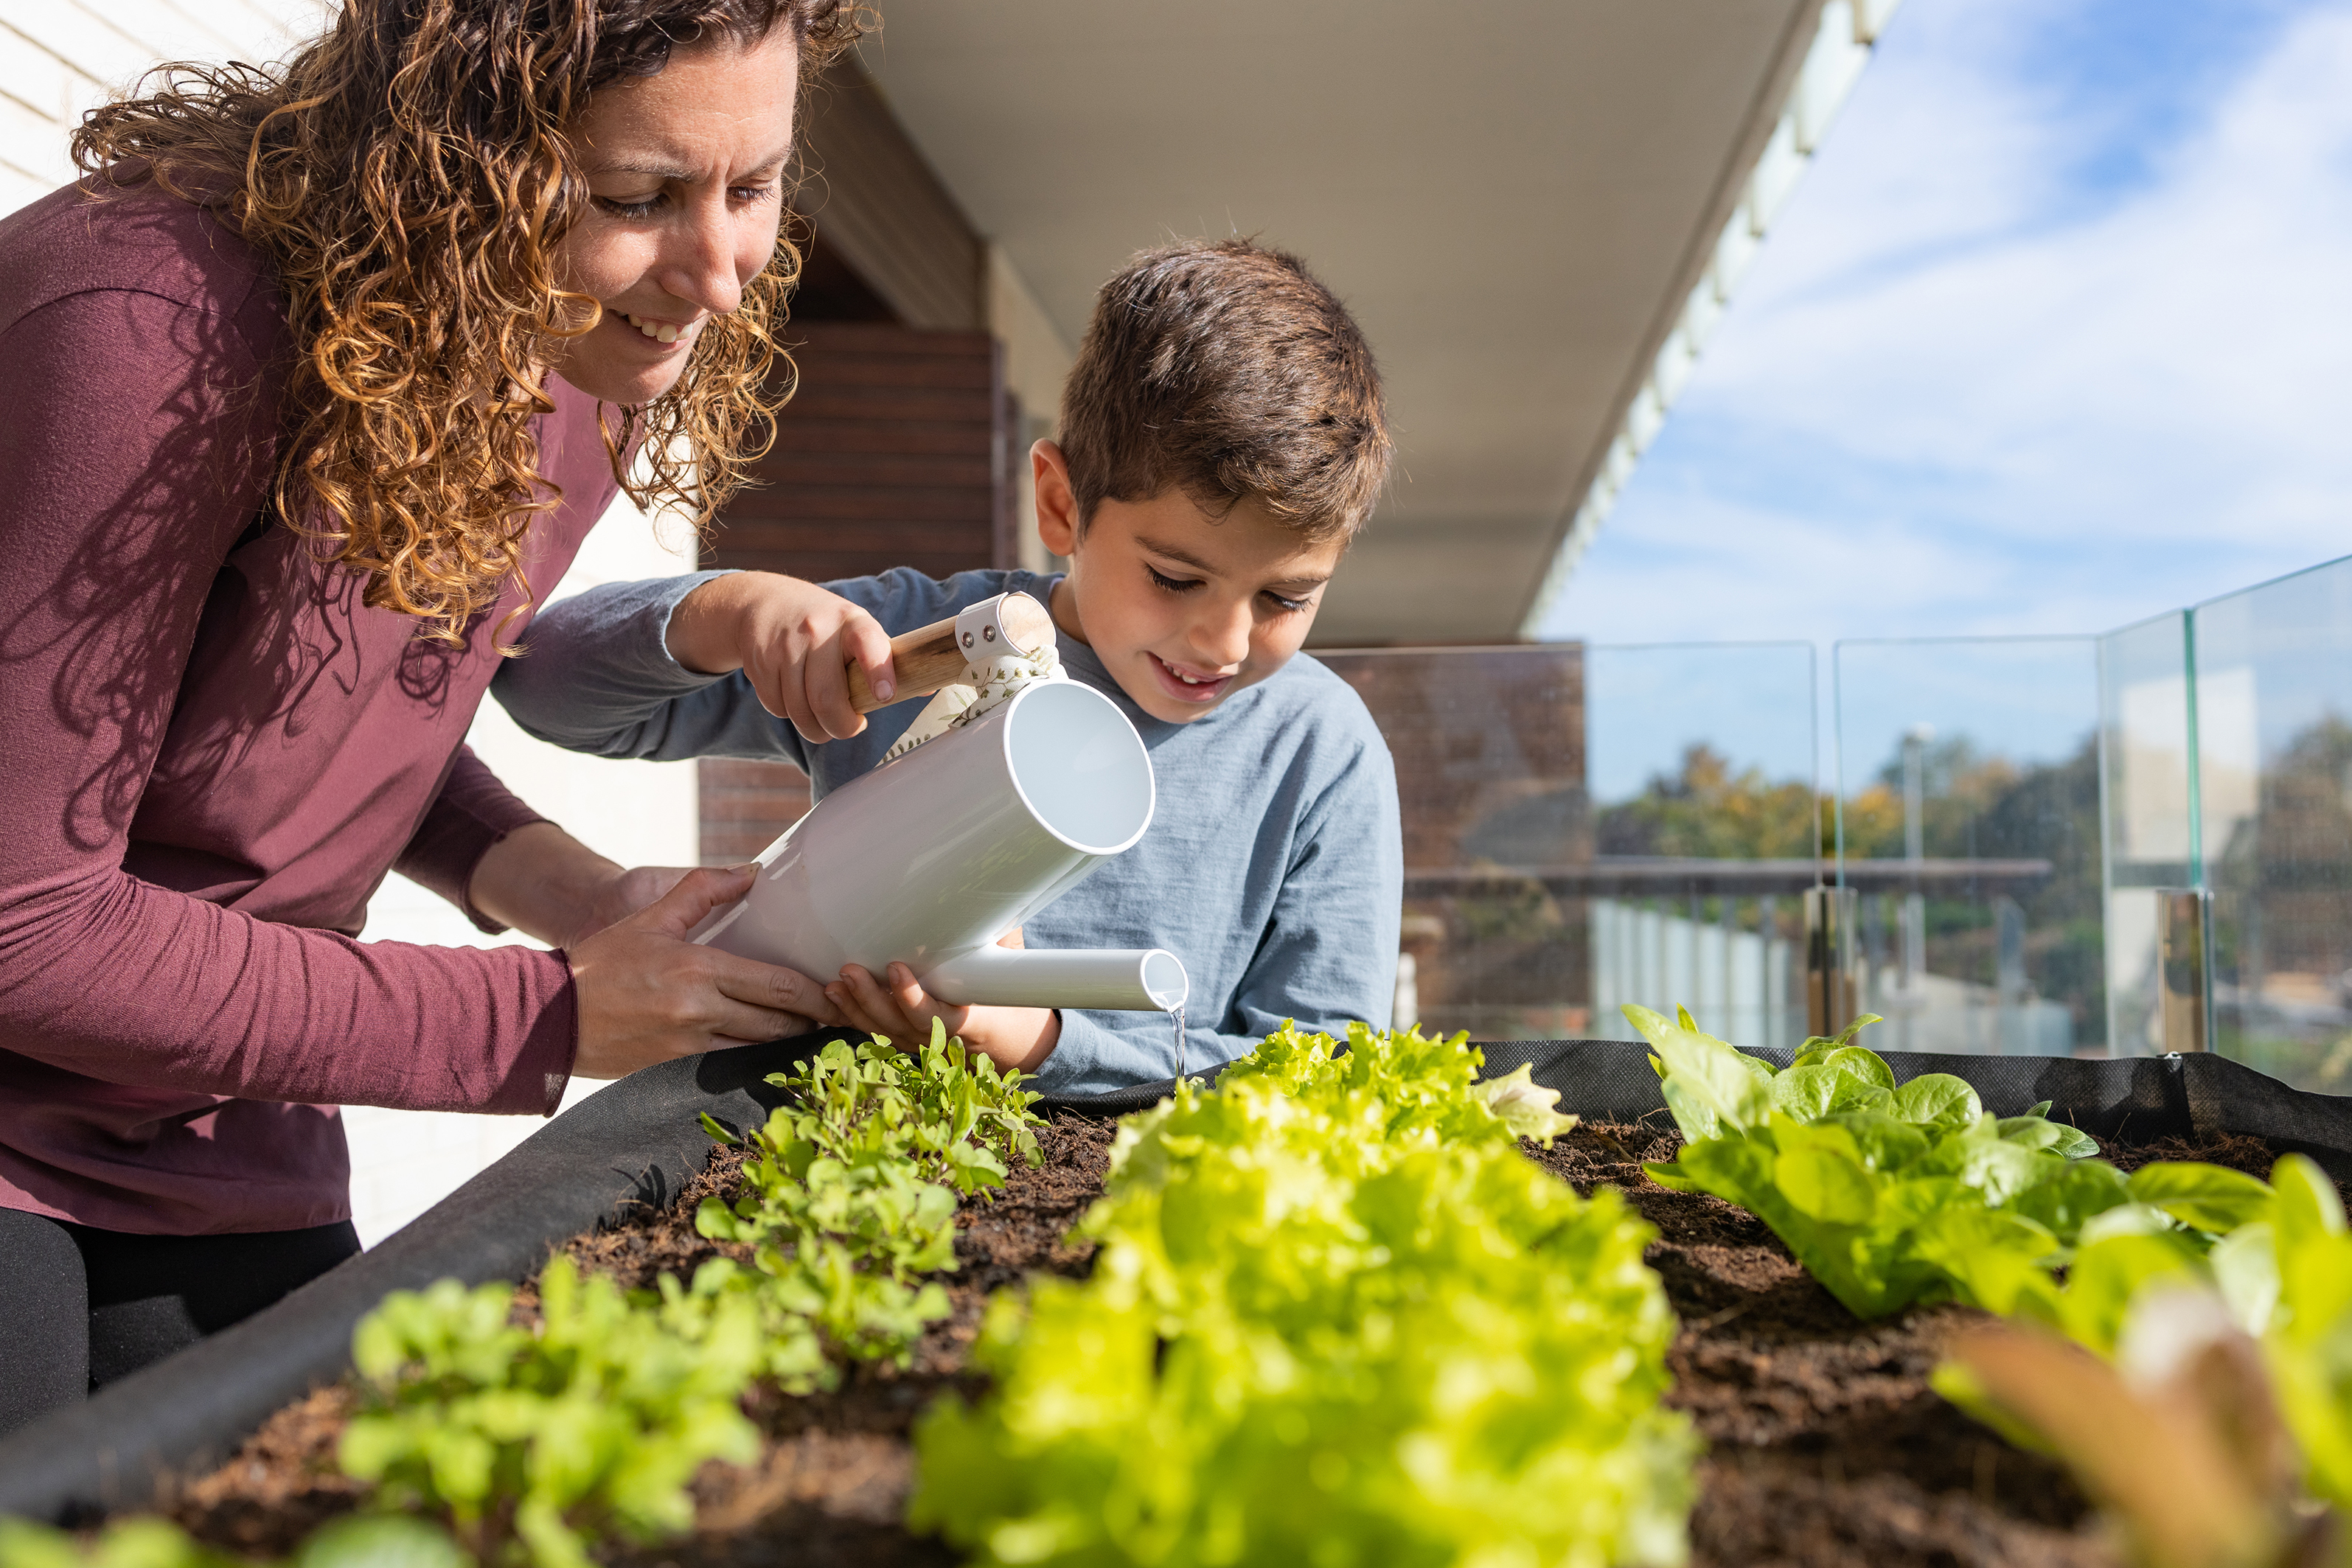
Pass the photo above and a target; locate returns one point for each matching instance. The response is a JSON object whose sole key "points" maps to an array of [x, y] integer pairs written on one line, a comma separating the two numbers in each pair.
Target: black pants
{"points": [[80, 1308]]}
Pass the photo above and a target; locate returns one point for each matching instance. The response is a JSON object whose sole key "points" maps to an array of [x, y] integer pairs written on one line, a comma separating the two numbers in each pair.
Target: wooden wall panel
{"points": [[896, 451], [878, 203]]}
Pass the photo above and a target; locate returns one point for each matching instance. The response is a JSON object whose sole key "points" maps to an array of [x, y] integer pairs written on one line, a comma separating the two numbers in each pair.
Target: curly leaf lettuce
{"points": [[1336, 1318]]}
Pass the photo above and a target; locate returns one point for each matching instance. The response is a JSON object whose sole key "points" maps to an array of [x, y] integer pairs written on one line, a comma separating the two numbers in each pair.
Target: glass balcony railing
{"points": [[2127, 843], [1586, 827], [1968, 820], [2271, 715]]}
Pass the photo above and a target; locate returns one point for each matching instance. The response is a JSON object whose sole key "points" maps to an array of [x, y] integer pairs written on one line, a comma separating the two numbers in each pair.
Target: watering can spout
{"points": [[1144, 980]]}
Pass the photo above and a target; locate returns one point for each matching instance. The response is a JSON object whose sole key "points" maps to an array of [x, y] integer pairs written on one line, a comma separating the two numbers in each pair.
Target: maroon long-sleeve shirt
{"points": [[211, 752]]}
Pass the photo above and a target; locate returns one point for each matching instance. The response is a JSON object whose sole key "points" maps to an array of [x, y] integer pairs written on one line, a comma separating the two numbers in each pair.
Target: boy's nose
{"points": [[1223, 639]]}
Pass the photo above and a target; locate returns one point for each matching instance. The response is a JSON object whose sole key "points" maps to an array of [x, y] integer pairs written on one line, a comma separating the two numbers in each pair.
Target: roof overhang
{"points": [[1520, 203]]}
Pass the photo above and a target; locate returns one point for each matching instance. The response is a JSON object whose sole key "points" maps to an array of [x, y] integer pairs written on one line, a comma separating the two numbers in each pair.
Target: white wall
{"points": [[1037, 362], [638, 813], [59, 57]]}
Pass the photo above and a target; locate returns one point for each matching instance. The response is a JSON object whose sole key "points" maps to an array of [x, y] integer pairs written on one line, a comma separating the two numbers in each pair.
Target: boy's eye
{"points": [[1161, 579], [1287, 606]]}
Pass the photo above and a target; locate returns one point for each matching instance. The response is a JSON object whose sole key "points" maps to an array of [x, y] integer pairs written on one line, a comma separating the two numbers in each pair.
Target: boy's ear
{"points": [[1057, 504]]}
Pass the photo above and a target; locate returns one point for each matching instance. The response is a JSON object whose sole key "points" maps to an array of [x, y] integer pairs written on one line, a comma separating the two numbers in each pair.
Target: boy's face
{"points": [[1183, 608]]}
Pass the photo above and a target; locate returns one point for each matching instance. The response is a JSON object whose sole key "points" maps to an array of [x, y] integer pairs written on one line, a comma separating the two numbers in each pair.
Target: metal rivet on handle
{"points": [[967, 639], [988, 633]]}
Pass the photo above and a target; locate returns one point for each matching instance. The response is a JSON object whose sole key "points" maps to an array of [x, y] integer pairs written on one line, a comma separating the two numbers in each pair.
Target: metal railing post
{"points": [[1832, 998], [2184, 967]]}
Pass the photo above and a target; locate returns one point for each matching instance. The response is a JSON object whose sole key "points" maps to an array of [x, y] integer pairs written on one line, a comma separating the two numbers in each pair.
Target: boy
{"points": [[1223, 438]]}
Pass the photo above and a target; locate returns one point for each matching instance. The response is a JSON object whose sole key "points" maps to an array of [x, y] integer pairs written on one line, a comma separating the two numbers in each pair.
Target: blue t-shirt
{"points": [[1273, 866]]}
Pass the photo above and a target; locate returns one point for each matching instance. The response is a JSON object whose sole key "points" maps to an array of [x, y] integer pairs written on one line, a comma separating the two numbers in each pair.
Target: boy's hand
{"points": [[793, 639], [898, 1006]]}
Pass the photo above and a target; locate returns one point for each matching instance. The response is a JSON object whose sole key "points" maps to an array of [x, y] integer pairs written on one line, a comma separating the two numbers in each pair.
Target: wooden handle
{"points": [[924, 660]]}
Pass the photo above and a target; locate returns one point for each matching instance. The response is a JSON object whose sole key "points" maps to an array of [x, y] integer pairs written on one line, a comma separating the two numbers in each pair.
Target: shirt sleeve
{"points": [[1328, 958], [596, 676], [124, 484], [472, 812]]}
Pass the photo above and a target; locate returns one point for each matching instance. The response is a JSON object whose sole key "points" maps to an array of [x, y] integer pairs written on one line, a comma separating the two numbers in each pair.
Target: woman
{"points": [[312, 378]]}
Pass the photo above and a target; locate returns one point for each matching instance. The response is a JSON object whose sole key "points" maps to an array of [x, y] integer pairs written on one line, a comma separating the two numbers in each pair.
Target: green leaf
{"points": [[2245, 1268], [2205, 1197], [1826, 1185], [1523, 1106], [380, 1540], [1669, 1177], [1994, 1257], [2107, 1274], [2070, 1195], [1735, 1088], [1867, 1065], [1936, 1100], [1882, 1142]]}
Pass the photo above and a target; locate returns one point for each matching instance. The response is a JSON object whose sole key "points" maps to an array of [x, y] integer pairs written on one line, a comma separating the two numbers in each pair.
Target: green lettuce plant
{"points": [[1892, 1195], [364, 1541], [530, 1442], [1336, 1318], [850, 1195]]}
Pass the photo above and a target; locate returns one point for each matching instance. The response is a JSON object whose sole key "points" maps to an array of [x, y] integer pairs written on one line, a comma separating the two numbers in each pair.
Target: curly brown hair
{"points": [[410, 176]]}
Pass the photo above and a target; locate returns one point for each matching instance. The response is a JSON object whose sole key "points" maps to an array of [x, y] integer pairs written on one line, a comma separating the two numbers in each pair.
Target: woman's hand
{"points": [[648, 995], [899, 1008], [546, 883], [793, 641]]}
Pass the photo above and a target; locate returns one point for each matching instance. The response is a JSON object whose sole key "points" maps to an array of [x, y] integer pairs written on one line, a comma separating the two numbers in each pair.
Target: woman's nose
{"points": [[699, 267]]}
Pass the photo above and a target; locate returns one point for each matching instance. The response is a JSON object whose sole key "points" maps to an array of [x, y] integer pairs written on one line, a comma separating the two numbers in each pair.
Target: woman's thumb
{"points": [[678, 911]]}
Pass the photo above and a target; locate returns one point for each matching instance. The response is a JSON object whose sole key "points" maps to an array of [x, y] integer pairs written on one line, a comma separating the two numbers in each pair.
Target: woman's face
{"points": [[685, 170]]}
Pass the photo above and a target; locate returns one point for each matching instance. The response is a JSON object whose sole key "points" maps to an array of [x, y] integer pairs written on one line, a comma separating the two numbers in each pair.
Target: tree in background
{"points": [[1976, 807]]}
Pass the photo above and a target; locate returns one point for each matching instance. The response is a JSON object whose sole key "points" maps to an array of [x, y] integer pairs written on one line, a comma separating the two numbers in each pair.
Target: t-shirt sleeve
{"points": [[124, 484], [1328, 956], [472, 812]]}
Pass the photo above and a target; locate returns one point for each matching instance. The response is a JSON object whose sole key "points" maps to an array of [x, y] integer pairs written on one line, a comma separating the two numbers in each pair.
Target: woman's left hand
{"points": [[546, 883], [896, 1006], [623, 894]]}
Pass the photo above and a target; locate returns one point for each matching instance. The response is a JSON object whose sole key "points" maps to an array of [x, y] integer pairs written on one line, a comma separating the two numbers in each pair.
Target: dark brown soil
{"points": [[1826, 1448], [833, 1482]]}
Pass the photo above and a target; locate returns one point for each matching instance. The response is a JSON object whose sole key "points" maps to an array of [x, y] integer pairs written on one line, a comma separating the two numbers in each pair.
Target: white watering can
{"points": [[931, 857]]}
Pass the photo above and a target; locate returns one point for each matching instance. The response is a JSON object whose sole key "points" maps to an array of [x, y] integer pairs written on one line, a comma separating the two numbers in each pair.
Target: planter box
{"points": [[639, 1141]]}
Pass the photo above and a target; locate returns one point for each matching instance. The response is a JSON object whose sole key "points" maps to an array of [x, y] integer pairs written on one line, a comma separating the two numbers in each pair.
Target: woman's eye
{"points": [[1161, 579], [621, 209], [755, 192]]}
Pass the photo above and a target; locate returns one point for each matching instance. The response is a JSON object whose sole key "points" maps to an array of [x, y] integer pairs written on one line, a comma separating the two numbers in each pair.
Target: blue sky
{"points": [[2055, 335]]}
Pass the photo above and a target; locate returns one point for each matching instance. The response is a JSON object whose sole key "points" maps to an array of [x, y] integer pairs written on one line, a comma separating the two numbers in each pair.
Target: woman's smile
{"points": [[653, 327]]}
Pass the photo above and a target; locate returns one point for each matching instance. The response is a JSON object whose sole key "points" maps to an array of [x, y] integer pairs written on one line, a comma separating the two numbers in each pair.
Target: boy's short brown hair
{"points": [[1229, 371]]}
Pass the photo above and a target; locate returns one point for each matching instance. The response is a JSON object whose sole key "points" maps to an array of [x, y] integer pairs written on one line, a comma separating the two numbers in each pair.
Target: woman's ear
{"points": [[1057, 504]]}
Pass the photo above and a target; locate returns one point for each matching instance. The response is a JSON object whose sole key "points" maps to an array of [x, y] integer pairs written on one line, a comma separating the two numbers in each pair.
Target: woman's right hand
{"points": [[648, 995], [793, 641]]}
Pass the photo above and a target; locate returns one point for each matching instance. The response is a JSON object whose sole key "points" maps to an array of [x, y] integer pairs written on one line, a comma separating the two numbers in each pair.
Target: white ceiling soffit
{"points": [[1519, 200], [1843, 40]]}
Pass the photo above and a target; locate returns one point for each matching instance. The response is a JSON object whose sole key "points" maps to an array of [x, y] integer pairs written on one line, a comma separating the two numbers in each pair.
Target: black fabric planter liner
{"points": [[638, 1143]]}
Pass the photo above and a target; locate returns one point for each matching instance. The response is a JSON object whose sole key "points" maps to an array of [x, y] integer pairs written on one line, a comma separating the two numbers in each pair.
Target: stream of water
{"points": [[1178, 1014]]}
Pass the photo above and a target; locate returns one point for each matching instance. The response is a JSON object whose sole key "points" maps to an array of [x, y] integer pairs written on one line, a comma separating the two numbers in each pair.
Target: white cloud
{"points": [[1967, 393]]}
